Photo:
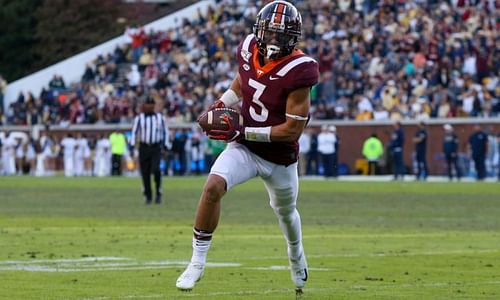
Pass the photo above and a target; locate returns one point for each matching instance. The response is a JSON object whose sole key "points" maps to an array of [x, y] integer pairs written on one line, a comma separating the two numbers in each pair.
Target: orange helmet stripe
{"points": [[278, 13]]}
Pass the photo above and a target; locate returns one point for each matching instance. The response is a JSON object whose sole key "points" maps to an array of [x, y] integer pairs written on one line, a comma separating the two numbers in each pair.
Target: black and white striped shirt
{"points": [[150, 129]]}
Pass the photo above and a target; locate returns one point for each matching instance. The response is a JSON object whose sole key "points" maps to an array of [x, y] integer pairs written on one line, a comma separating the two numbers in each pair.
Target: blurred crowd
{"points": [[387, 59]]}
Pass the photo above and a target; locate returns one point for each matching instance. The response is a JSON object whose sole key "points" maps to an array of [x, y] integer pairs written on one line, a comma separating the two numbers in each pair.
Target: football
{"points": [[214, 119]]}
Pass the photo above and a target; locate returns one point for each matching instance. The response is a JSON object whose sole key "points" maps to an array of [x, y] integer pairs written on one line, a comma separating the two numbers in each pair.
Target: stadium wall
{"points": [[72, 68], [352, 134]]}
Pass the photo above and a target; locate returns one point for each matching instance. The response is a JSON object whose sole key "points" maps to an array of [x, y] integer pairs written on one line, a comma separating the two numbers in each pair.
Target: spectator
{"points": [[102, 158], [68, 145], [396, 147], [328, 148], [118, 148], [450, 149], [312, 167], [8, 152], [57, 83], [492, 158], [304, 148], [45, 155], [420, 141], [179, 150], [373, 151], [478, 147], [82, 154]]}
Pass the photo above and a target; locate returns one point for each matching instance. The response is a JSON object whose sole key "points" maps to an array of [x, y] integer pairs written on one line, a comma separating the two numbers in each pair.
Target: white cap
{"points": [[447, 127], [332, 128]]}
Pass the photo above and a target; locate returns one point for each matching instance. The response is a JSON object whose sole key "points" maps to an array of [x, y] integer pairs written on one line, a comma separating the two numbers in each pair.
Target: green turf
{"points": [[88, 238]]}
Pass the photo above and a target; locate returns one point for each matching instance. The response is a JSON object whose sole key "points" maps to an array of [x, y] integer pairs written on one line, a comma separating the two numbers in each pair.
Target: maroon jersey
{"points": [[265, 91]]}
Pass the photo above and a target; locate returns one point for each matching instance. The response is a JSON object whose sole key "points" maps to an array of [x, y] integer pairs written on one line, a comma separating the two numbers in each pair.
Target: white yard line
{"points": [[89, 264], [385, 254], [64, 260]]}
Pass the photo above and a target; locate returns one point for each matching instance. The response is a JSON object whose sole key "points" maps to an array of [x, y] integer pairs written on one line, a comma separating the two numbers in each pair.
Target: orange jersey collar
{"points": [[261, 70]]}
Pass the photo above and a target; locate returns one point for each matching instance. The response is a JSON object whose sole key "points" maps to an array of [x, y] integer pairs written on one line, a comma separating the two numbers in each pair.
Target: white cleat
{"points": [[190, 276], [298, 269]]}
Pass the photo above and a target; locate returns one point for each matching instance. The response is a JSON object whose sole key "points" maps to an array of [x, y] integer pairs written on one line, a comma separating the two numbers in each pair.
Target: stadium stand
{"points": [[380, 60]]}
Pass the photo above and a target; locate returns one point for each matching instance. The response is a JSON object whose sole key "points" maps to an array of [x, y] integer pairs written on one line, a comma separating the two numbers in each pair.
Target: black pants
{"points": [[116, 165], [479, 163], [452, 162], [312, 163], [422, 171], [330, 165], [149, 160], [398, 165], [372, 167]]}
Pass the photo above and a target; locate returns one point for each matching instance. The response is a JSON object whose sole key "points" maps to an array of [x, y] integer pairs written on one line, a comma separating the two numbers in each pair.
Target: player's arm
{"points": [[297, 111]]}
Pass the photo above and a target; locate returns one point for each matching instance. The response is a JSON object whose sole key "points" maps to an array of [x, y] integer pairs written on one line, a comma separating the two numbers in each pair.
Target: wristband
{"points": [[258, 134], [229, 98]]}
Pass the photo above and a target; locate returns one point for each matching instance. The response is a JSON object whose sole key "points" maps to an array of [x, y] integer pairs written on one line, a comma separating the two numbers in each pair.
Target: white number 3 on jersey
{"points": [[264, 112]]}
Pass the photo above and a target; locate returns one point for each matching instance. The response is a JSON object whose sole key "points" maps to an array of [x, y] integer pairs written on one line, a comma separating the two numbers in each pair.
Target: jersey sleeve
{"points": [[305, 75]]}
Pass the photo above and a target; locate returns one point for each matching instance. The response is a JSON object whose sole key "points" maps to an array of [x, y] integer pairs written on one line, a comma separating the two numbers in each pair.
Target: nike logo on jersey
{"points": [[273, 78]]}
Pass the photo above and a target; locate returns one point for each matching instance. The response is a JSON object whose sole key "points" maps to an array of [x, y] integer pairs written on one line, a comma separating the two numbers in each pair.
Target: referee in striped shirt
{"points": [[151, 131]]}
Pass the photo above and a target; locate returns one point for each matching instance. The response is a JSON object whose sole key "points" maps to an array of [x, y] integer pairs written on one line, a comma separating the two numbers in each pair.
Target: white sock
{"points": [[200, 251], [201, 243]]}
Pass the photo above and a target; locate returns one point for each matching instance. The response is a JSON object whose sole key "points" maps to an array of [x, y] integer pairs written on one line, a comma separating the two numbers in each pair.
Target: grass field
{"points": [[88, 238]]}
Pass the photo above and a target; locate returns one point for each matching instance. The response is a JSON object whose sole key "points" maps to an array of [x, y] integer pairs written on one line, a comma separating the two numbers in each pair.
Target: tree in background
{"points": [[67, 27], [35, 34], [17, 37]]}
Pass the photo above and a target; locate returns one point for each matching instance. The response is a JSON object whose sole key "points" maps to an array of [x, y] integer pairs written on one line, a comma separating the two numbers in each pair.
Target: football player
{"points": [[273, 85]]}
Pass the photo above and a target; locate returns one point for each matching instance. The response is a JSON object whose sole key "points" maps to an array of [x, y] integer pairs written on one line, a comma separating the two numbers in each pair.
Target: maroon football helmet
{"points": [[277, 29]]}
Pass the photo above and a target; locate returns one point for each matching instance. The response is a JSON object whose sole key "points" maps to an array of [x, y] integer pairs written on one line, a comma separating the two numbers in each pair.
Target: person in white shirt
{"points": [[46, 153], [102, 159], [327, 147], [69, 143], [8, 155], [30, 155], [82, 153], [304, 147], [19, 154]]}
